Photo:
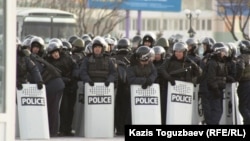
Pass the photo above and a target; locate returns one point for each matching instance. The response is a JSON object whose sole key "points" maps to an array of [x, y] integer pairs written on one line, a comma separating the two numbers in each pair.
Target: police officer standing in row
{"points": [[178, 67], [97, 67], [243, 77], [69, 73], [26, 67], [216, 77], [122, 99], [52, 80]]}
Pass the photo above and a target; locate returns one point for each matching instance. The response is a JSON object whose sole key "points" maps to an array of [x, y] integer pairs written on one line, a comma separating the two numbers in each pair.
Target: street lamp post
{"points": [[190, 16]]}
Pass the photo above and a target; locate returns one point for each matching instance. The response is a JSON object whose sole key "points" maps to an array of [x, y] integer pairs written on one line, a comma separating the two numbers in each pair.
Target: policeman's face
{"points": [[55, 55], [147, 43], [35, 49], [157, 57], [179, 54], [97, 50], [204, 47], [144, 62]]}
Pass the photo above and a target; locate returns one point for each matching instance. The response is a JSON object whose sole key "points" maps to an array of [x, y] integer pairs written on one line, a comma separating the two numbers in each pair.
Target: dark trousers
{"points": [[54, 91], [244, 101], [212, 107], [53, 101], [122, 108], [67, 109]]}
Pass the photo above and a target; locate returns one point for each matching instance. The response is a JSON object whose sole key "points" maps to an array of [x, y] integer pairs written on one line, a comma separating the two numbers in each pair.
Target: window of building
{"points": [[203, 25], [154, 24], [186, 24], [143, 24], [181, 24], [176, 24], [197, 27], [165, 24], [134, 24], [209, 24]]}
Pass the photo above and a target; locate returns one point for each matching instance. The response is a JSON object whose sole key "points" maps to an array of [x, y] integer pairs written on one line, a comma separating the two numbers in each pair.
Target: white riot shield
{"points": [[17, 124], [238, 117], [228, 114], [225, 100], [32, 112], [180, 103], [78, 120], [145, 104], [198, 115], [99, 110]]}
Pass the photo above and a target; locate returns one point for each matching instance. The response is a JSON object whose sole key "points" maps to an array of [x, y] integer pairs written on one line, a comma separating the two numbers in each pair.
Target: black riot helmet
{"points": [[26, 43], [136, 41], [72, 38], [144, 53], [232, 49], [123, 44], [180, 46], [160, 50], [219, 48], [87, 40], [56, 40], [88, 49], [244, 46], [100, 41], [66, 45], [162, 42], [150, 37], [38, 42], [84, 36], [53, 46], [209, 42]]}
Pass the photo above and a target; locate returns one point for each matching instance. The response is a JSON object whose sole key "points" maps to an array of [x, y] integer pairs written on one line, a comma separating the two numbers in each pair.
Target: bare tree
{"points": [[233, 11]]}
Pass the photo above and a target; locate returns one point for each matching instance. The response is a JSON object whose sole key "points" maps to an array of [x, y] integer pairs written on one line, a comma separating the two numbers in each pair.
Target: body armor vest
{"points": [[98, 68]]}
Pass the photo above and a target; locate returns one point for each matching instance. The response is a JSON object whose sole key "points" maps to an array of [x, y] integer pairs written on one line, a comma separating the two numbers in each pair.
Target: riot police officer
{"points": [[243, 77], [26, 67], [97, 67], [149, 40], [216, 74], [52, 80], [160, 56], [122, 100], [69, 73], [143, 72], [178, 67]]}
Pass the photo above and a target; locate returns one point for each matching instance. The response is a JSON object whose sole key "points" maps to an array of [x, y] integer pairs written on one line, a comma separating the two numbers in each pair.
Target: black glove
{"points": [[171, 80], [149, 82], [91, 83], [19, 86], [39, 85], [217, 94], [144, 86], [230, 79], [107, 83], [66, 80]]}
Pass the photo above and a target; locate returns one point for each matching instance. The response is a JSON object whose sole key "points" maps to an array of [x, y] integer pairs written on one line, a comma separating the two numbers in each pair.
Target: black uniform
{"points": [[69, 73], [53, 82], [243, 77]]}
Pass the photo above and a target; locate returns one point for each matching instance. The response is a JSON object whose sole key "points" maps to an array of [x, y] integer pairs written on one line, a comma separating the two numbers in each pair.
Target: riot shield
{"points": [[32, 112], [180, 103], [145, 104]]}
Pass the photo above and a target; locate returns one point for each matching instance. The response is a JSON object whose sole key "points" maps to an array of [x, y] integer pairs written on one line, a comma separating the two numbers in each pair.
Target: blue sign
{"points": [[144, 5]]}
